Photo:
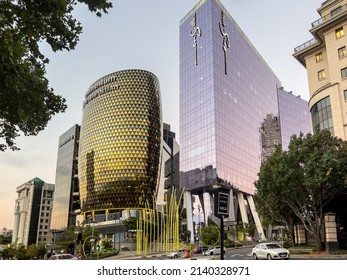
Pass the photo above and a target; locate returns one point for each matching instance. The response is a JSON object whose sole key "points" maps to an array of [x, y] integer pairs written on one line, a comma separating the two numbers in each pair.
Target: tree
{"points": [[210, 235], [5, 236], [27, 102], [270, 187], [306, 178], [32, 251], [131, 223]]}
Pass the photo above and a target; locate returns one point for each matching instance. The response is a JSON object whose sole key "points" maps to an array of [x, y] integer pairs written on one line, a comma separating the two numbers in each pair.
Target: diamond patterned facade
{"points": [[120, 142]]}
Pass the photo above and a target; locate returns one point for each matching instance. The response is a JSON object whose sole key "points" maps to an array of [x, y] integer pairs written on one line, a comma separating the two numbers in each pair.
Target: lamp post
{"points": [[92, 241]]}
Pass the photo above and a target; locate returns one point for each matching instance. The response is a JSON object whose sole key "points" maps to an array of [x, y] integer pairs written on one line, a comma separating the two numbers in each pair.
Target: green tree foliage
{"points": [[32, 251], [27, 102], [5, 236], [305, 179], [270, 187], [210, 235], [131, 223], [107, 244]]}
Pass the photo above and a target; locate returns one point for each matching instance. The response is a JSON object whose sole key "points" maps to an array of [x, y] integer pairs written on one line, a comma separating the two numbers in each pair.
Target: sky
{"points": [[144, 34]]}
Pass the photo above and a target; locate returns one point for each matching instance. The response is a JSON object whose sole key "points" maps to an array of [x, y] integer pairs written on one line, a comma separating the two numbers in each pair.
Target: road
{"points": [[243, 253]]}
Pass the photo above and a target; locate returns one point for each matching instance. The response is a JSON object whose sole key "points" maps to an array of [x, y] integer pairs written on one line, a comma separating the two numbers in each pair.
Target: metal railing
{"points": [[329, 16], [317, 23], [305, 45]]}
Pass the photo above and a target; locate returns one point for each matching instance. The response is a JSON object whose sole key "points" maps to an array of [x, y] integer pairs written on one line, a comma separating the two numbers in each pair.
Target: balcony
{"points": [[306, 45], [332, 14]]}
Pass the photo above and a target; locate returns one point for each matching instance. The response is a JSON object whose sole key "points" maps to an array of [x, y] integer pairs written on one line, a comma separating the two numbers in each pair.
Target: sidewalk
{"points": [[320, 255]]}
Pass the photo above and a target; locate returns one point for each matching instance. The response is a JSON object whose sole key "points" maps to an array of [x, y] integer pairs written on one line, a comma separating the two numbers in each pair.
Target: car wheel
{"points": [[287, 258], [269, 257], [211, 253], [255, 256], [175, 256]]}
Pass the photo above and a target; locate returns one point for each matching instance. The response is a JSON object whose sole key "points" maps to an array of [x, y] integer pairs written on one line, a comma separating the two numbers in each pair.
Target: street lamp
{"points": [[92, 241]]}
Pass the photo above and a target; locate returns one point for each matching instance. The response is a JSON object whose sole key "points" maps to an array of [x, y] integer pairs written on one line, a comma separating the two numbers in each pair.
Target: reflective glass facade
{"points": [[66, 180], [322, 116], [294, 116], [120, 142], [226, 91]]}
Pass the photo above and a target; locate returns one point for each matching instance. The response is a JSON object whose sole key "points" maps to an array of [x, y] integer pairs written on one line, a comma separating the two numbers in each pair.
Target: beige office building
{"points": [[325, 58]]}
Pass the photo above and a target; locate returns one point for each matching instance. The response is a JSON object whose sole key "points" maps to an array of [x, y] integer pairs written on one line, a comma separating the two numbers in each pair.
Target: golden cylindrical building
{"points": [[120, 142]]}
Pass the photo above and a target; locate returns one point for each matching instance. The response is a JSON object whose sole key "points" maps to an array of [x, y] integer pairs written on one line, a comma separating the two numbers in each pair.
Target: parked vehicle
{"points": [[270, 251], [199, 250], [63, 257], [214, 251], [175, 254]]}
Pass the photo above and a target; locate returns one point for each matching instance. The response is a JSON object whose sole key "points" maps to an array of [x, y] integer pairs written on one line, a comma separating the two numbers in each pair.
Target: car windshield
{"points": [[272, 246]]}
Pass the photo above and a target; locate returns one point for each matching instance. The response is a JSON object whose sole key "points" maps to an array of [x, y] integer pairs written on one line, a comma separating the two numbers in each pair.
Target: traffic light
{"points": [[98, 247]]}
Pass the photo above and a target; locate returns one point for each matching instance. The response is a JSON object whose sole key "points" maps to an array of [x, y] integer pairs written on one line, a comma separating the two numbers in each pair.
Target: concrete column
{"points": [[21, 230], [232, 216], [300, 234], [189, 209], [330, 232], [16, 227], [256, 218], [206, 206], [242, 206]]}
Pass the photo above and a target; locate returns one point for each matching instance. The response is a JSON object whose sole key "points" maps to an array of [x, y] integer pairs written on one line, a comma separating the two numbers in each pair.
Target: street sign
{"points": [[222, 204], [230, 223]]}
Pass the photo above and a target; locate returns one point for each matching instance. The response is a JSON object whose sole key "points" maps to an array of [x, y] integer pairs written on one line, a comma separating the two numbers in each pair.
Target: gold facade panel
{"points": [[120, 143]]}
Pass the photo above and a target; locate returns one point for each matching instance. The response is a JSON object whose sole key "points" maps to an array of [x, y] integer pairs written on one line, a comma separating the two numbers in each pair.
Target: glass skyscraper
{"points": [[66, 198], [294, 116], [226, 92]]}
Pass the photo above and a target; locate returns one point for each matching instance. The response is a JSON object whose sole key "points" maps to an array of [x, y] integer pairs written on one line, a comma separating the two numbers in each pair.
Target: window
{"points": [[342, 52], [345, 94], [339, 32], [344, 73], [321, 75], [322, 116], [319, 57], [336, 11], [49, 194]]}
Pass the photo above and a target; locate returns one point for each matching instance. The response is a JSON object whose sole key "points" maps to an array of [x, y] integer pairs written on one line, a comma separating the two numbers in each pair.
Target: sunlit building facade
{"points": [[325, 59], [33, 209], [120, 144], [66, 198]]}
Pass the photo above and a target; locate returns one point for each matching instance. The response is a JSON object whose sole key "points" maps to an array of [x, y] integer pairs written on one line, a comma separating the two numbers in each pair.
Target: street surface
{"points": [[243, 253]]}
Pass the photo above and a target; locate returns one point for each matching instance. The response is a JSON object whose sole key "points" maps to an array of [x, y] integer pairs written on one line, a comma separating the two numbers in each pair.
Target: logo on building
{"points": [[195, 34], [226, 41]]}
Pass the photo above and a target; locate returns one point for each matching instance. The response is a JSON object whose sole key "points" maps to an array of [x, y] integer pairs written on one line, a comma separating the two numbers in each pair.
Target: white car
{"points": [[270, 251], [175, 254], [63, 256], [214, 251]]}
